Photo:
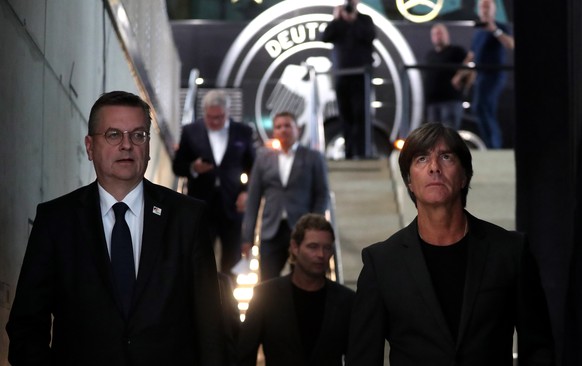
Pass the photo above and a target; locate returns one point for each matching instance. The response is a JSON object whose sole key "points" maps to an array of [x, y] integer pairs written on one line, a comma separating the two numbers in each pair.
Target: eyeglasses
{"points": [[114, 136]]}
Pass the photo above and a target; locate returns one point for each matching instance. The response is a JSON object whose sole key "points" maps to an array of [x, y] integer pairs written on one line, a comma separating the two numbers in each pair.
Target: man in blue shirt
{"points": [[488, 48]]}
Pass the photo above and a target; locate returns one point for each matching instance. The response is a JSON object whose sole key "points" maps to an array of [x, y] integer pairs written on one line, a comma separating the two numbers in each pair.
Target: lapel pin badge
{"points": [[157, 211]]}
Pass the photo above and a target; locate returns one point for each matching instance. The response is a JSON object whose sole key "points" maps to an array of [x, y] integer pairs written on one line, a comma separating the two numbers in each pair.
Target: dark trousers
{"points": [[228, 231], [486, 93], [350, 94], [274, 252]]}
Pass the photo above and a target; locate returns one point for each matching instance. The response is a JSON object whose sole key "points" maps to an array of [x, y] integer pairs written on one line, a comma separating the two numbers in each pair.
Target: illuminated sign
{"points": [[419, 11], [273, 59]]}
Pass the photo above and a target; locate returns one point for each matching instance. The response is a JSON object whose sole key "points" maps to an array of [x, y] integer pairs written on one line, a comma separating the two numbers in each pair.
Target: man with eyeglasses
{"points": [[118, 272]]}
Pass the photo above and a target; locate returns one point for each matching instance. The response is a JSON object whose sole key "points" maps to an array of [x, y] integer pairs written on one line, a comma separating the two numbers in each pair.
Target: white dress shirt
{"points": [[133, 216], [286, 162], [218, 142]]}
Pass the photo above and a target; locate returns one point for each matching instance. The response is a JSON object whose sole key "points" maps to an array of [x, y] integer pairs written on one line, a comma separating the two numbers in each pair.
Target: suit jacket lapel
{"points": [[477, 257], [91, 225], [205, 146], [297, 165], [155, 219], [273, 167], [419, 272], [230, 139]]}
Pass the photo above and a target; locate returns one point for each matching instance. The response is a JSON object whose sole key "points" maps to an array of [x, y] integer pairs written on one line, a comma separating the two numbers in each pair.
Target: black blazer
{"points": [[66, 274], [271, 321], [396, 301], [238, 158]]}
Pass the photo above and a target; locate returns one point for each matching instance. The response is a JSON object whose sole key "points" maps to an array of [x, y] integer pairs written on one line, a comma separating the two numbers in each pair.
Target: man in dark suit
{"points": [[303, 318], [214, 152], [119, 272], [449, 289], [293, 181]]}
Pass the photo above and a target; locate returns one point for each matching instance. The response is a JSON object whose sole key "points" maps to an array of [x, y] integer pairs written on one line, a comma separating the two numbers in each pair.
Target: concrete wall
{"points": [[56, 58]]}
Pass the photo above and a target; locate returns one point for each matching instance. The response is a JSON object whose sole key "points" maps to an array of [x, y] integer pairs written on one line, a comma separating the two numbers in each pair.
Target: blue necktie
{"points": [[122, 257]]}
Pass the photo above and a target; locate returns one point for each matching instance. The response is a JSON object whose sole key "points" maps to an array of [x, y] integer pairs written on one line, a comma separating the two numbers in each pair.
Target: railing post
{"points": [[316, 132], [367, 114]]}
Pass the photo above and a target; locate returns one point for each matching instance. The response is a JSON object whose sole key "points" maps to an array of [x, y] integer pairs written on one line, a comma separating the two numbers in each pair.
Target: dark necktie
{"points": [[122, 257]]}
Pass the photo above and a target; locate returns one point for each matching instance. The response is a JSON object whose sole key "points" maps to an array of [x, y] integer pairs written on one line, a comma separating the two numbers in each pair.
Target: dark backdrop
{"points": [[548, 88], [202, 44]]}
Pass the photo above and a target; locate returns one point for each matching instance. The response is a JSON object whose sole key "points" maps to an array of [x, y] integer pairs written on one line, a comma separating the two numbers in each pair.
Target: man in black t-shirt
{"points": [[449, 288], [443, 85], [301, 319]]}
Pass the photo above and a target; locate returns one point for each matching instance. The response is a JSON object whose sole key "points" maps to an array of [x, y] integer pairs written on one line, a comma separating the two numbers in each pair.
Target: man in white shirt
{"points": [[293, 182], [214, 152], [118, 272]]}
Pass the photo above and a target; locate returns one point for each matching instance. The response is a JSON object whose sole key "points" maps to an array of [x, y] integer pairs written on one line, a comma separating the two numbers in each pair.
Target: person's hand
{"points": [[201, 167], [246, 249], [458, 81], [241, 202], [490, 25], [337, 12]]}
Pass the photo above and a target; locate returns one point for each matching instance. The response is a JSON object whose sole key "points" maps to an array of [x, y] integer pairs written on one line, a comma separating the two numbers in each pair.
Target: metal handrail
{"points": [[337, 260], [189, 108], [316, 121]]}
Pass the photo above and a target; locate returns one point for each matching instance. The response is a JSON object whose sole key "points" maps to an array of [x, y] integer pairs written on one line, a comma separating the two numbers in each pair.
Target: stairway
{"points": [[365, 209]]}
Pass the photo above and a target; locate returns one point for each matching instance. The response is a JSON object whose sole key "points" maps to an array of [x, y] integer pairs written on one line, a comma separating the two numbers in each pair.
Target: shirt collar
{"points": [[134, 200], [292, 150], [224, 129]]}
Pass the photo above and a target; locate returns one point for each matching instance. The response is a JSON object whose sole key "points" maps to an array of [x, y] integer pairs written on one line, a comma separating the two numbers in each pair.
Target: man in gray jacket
{"points": [[293, 181]]}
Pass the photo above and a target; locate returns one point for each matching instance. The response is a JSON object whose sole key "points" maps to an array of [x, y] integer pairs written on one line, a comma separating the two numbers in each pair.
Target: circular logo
{"points": [[419, 11], [280, 63]]}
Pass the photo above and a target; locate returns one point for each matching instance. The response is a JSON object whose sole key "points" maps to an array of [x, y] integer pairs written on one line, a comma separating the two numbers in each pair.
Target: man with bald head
{"points": [[443, 82], [489, 50]]}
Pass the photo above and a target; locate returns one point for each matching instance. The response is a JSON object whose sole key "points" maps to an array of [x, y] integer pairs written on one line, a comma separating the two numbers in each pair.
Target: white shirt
{"points": [[286, 162], [218, 142], [133, 216]]}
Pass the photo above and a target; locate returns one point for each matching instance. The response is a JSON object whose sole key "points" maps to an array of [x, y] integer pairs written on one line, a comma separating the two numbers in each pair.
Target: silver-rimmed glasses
{"points": [[114, 136]]}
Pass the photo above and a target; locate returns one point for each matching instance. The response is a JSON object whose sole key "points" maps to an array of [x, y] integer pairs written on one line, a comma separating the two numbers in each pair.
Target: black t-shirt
{"points": [[437, 82], [447, 266], [309, 309]]}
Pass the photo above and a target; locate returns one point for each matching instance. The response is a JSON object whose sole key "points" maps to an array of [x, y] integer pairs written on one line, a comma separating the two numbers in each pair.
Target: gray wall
{"points": [[56, 58]]}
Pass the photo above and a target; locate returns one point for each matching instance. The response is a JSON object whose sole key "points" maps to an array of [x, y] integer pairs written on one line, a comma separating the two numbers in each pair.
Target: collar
{"points": [[134, 199], [292, 150], [224, 128]]}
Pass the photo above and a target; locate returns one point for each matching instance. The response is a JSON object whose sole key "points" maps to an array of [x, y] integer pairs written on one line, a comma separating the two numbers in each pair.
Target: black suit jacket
{"points": [[396, 301], [66, 275], [238, 158], [271, 321]]}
